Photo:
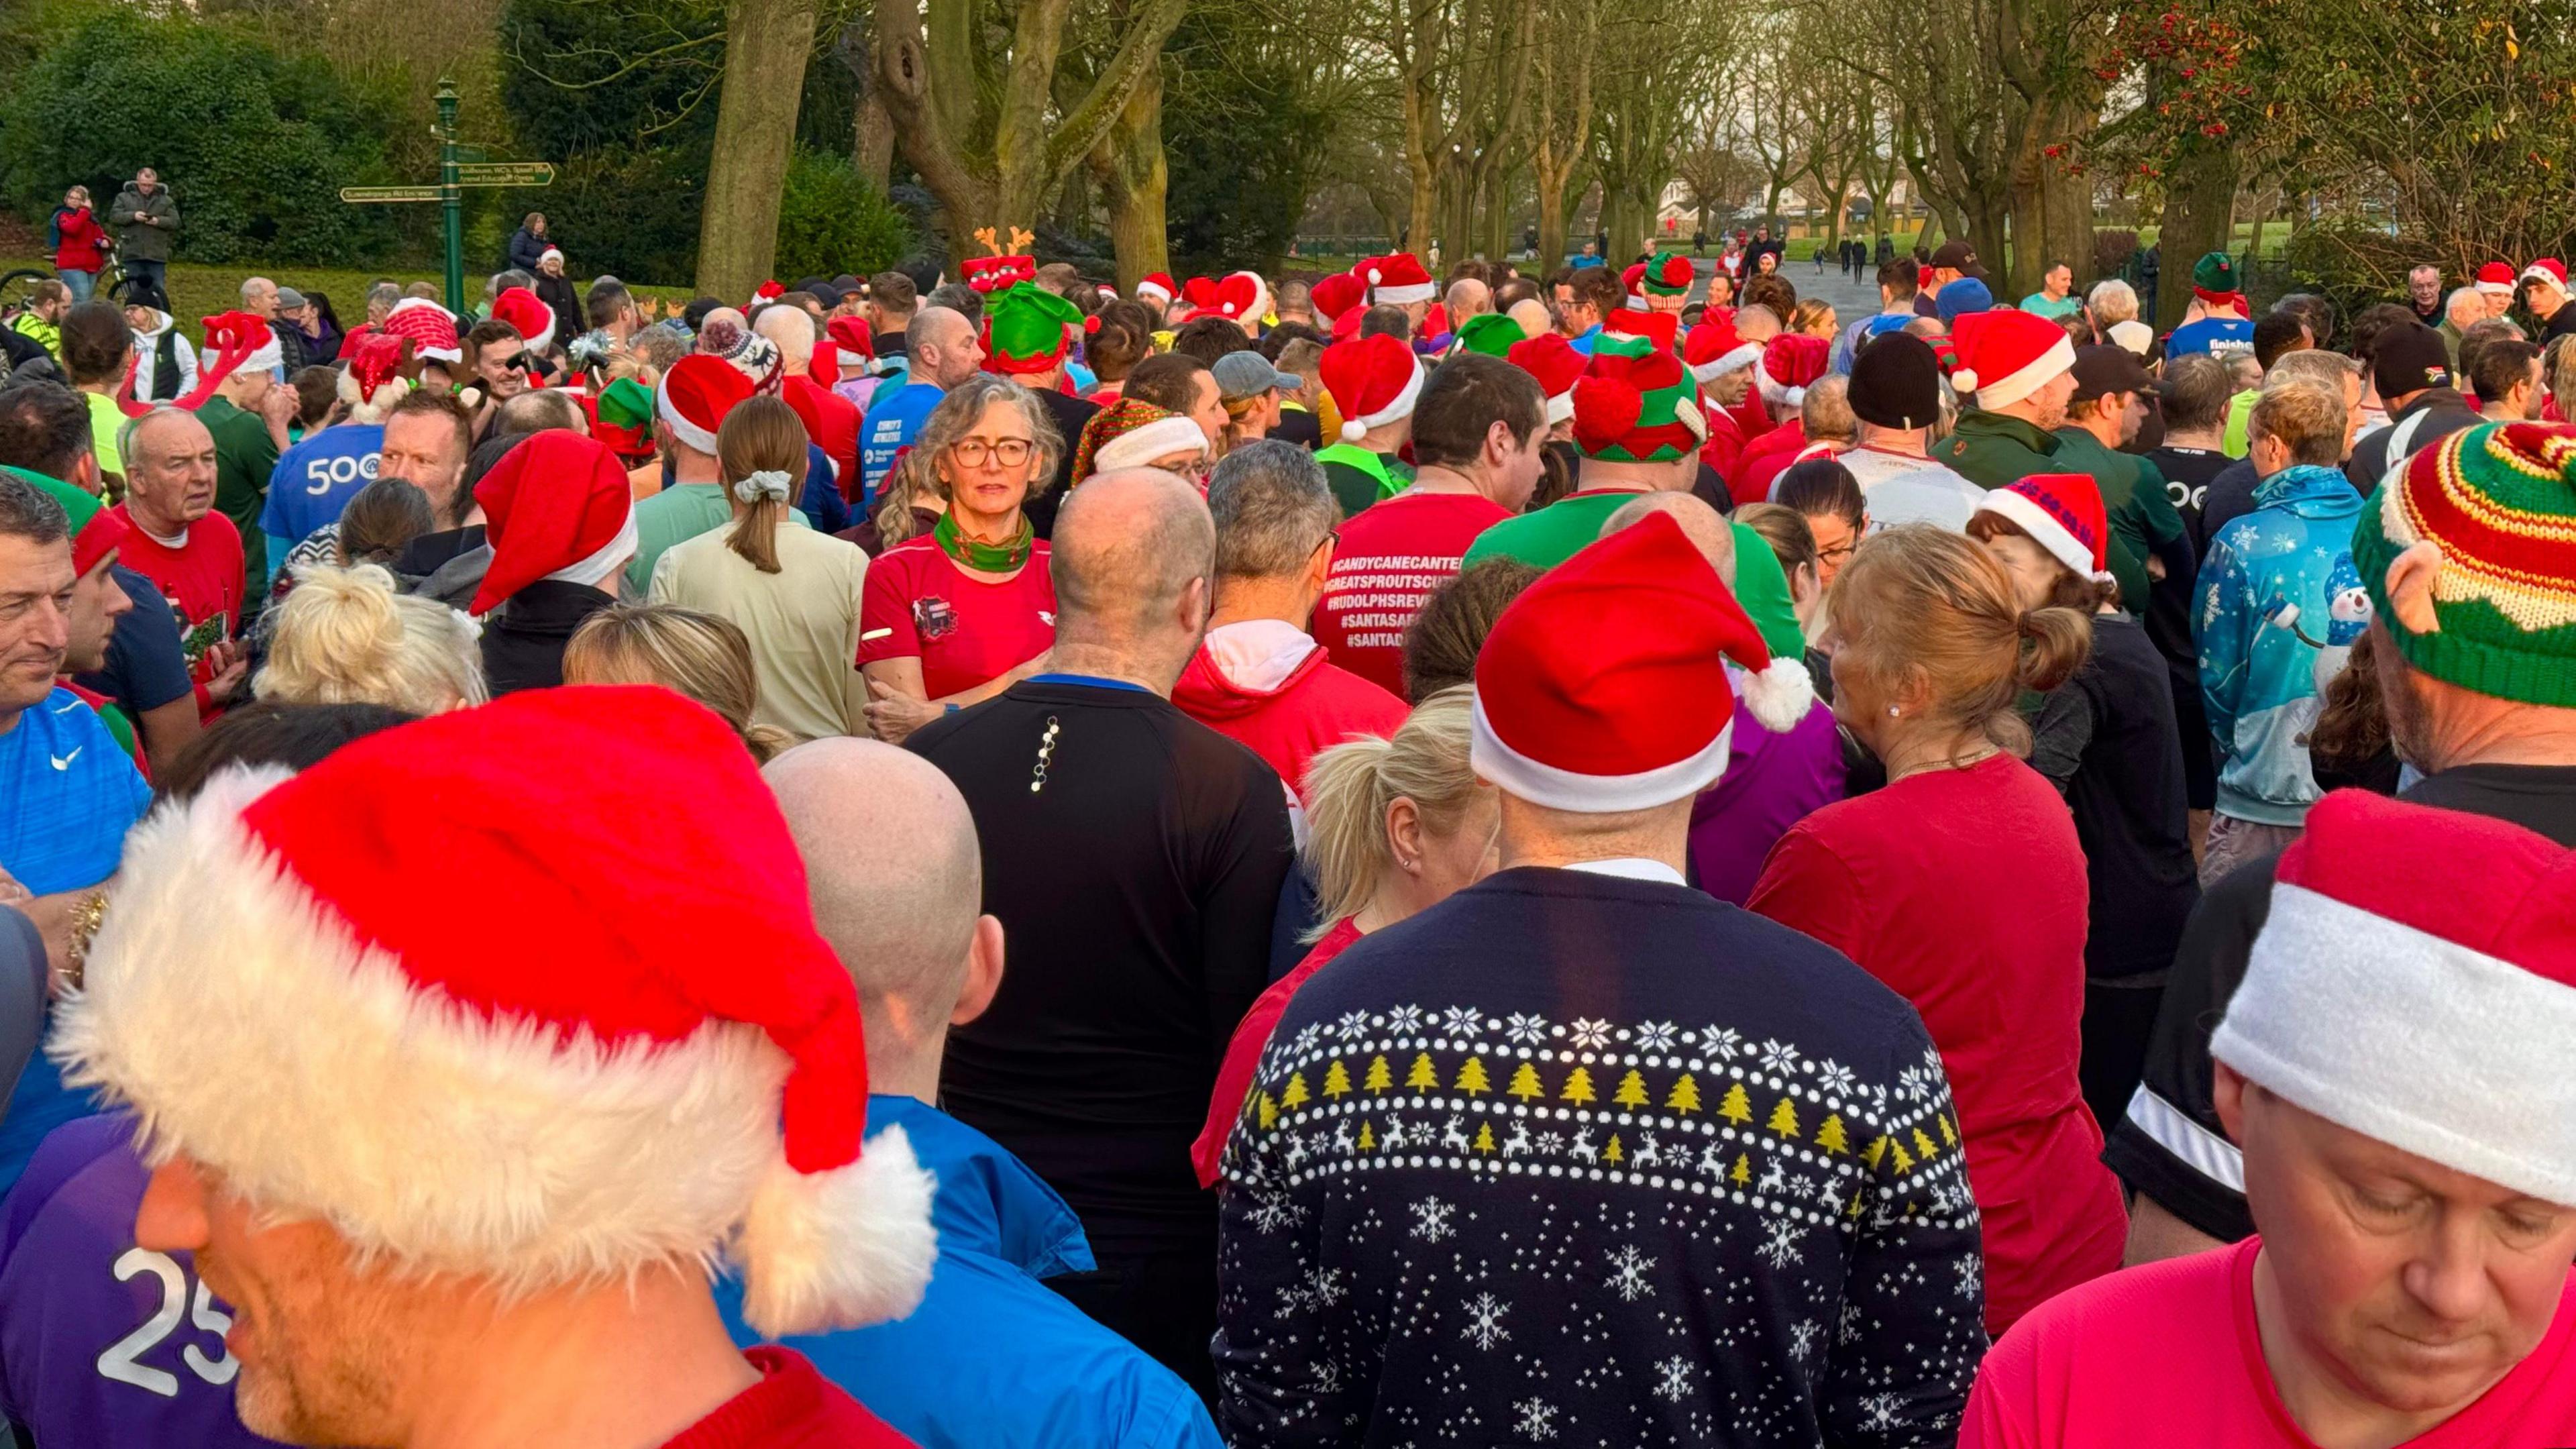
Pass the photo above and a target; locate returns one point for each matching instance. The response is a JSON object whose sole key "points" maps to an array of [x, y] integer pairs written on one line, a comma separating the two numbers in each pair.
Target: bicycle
{"points": [[18, 287]]}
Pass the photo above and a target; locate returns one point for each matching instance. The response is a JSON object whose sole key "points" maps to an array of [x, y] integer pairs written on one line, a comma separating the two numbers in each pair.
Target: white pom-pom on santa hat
{"points": [[626, 1069], [1353, 430], [1963, 379], [1373, 380], [1780, 693]]}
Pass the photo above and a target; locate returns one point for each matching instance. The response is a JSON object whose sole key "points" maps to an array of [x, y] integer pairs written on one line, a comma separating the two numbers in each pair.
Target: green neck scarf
{"points": [[985, 558]]}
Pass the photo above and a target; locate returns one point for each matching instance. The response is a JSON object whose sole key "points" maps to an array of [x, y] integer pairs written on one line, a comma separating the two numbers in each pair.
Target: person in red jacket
{"points": [[495, 1219], [81, 245], [831, 420], [1258, 677]]}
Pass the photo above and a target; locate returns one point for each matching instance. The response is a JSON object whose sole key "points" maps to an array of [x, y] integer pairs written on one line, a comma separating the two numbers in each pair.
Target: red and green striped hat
{"points": [[2492, 606], [1668, 275], [1635, 404]]}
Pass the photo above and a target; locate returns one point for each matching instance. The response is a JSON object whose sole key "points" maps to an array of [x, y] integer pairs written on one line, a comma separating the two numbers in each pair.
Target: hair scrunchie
{"points": [[767, 483]]}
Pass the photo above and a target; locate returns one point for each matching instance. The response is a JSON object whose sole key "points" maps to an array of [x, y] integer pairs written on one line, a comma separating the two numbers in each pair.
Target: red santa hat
{"points": [[1663, 329], [2062, 513], [520, 308], [2005, 356], [2496, 278], [768, 291], [2548, 272], [1373, 380], [248, 334], [1398, 278], [1242, 295], [1159, 286], [1632, 279], [1791, 362], [428, 327], [1198, 294], [1339, 293], [1603, 687], [557, 506], [634, 1051], [1557, 366], [2415, 982], [371, 382], [695, 395], [1712, 350]]}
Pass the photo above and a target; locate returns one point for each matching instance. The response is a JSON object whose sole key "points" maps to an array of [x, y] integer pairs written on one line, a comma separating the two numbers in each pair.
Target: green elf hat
{"points": [[2214, 273], [1636, 403], [1025, 329], [1490, 333], [626, 403], [2464, 556], [1669, 275]]}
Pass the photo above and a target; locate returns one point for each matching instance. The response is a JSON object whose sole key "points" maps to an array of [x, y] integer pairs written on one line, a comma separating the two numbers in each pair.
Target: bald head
{"points": [[1712, 535], [1756, 324], [1466, 298], [1531, 314], [792, 329], [892, 866], [1127, 545]]}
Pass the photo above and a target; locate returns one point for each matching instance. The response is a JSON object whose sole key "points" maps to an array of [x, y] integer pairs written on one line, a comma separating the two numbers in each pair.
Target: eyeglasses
{"points": [[976, 452], [1836, 553]]}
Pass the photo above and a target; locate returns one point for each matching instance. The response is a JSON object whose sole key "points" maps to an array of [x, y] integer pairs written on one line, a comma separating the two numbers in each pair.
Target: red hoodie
{"points": [[1264, 684], [832, 421]]}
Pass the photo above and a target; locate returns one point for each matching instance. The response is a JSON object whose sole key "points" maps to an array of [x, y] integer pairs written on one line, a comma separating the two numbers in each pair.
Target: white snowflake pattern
{"points": [[1431, 1220], [1802, 1338], [1628, 1273], [1720, 1045], [1673, 1378], [1352, 1026], [1324, 1286], [1882, 1410], [1461, 1021], [1537, 1419], [1848, 1331], [1404, 1020], [1915, 1083], [1656, 1036], [1485, 1321], [1779, 1057], [1526, 1028], [1549, 1144], [1780, 1245], [1326, 1376], [1972, 1275], [1832, 1076], [1306, 1038], [1591, 1035], [1270, 1214]]}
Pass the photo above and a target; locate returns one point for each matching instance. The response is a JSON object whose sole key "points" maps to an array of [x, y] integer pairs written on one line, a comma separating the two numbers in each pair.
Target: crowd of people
{"points": [[972, 856]]}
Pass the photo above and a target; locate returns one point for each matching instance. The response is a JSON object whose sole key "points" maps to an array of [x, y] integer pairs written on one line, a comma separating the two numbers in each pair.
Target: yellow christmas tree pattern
{"points": [[1578, 1087], [1424, 1077], [1903, 1162], [1367, 1138], [1784, 1119], [1472, 1079], [1295, 1096], [1684, 1096], [1337, 1081], [1484, 1137], [1948, 1137], [1831, 1136], [1614, 1152], [1736, 1107], [1380, 1076], [1743, 1172], [1268, 1111], [1525, 1084], [1876, 1154], [1632, 1091], [1923, 1147]]}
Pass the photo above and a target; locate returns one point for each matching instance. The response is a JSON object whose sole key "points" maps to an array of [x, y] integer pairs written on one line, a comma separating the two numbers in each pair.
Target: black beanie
{"points": [[1896, 382], [2409, 359]]}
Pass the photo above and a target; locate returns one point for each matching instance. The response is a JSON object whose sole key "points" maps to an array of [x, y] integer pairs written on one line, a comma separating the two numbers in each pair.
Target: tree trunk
{"points": [[1133, 179], [2200, 212], [872, 143], [766, 43], [2052, 212]]}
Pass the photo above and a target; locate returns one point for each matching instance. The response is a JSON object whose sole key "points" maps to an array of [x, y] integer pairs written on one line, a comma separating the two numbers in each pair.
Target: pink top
{"points": [[2168, 1355], [1251, 1036], [1964, 890]]}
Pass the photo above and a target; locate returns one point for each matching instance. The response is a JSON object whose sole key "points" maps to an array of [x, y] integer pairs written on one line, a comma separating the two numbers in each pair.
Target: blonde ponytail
{"points": [[1350, 787]]}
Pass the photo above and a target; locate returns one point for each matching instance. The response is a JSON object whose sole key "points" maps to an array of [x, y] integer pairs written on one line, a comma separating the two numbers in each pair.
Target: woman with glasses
{"points": [[957, 615], [794, 592], [1824, 493]]}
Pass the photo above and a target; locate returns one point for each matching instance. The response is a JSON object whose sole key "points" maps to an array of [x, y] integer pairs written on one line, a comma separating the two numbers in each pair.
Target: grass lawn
{"points": [[201, 291]]}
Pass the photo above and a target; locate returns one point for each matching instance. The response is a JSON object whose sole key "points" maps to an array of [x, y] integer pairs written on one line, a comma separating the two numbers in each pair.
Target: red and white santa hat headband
{"points": [[2496, 279], [2549, 272], [630, 1047], [2415, 982], [1603, 687], [1398, 279]]}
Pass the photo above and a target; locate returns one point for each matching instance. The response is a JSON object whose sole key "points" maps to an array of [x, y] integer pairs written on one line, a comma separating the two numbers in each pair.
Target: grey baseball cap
{"points": [[1242, 374]]}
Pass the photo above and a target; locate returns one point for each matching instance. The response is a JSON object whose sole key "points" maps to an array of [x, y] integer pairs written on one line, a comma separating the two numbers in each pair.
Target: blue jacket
{"points": [[992, 1358], [2279, 606]]}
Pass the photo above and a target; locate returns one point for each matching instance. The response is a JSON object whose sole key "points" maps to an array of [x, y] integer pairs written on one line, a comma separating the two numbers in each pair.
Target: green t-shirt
{"points": [[1560, 530], [2066, 306], [244, 457], [2239, 408], [1359, 477]]}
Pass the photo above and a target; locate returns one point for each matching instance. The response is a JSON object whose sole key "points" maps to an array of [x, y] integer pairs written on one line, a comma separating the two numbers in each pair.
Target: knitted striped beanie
{"points": [[1634, 403], [1668, 275], [2491, 606]]}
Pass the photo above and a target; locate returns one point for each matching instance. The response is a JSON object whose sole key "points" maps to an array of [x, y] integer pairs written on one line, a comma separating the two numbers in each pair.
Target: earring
{"points": [[1894, 713]]}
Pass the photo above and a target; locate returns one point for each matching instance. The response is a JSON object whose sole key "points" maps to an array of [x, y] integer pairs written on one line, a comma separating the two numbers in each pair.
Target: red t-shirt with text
{"points": [[202, 579], [1390, 558], [918, 604]]}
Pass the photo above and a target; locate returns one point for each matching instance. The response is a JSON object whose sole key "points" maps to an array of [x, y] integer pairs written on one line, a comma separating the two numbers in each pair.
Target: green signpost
{"points": [[453, 176]]}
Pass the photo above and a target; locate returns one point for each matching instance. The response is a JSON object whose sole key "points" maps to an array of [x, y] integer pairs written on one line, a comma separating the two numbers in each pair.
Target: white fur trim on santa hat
{"points": [[701, 439], [2021, 382], [550, 254], [2409, 1039], [1400, 294], [1745, 355], [611, 557], [1557, 788], [266, 357], [1560, 408], [1772, 392], [1156, 290], [2495, 289], [2044, 530], [1635, 303], [2538, 273], [1159, 438], [1399, 406], [324, 1083]]}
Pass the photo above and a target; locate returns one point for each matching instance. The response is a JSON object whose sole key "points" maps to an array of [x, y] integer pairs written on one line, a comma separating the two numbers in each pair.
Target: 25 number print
{"points": [[123, 1360]]}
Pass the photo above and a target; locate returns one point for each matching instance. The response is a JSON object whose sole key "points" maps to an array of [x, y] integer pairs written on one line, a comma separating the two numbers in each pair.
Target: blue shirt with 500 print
{"points": [[317, 477]]}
